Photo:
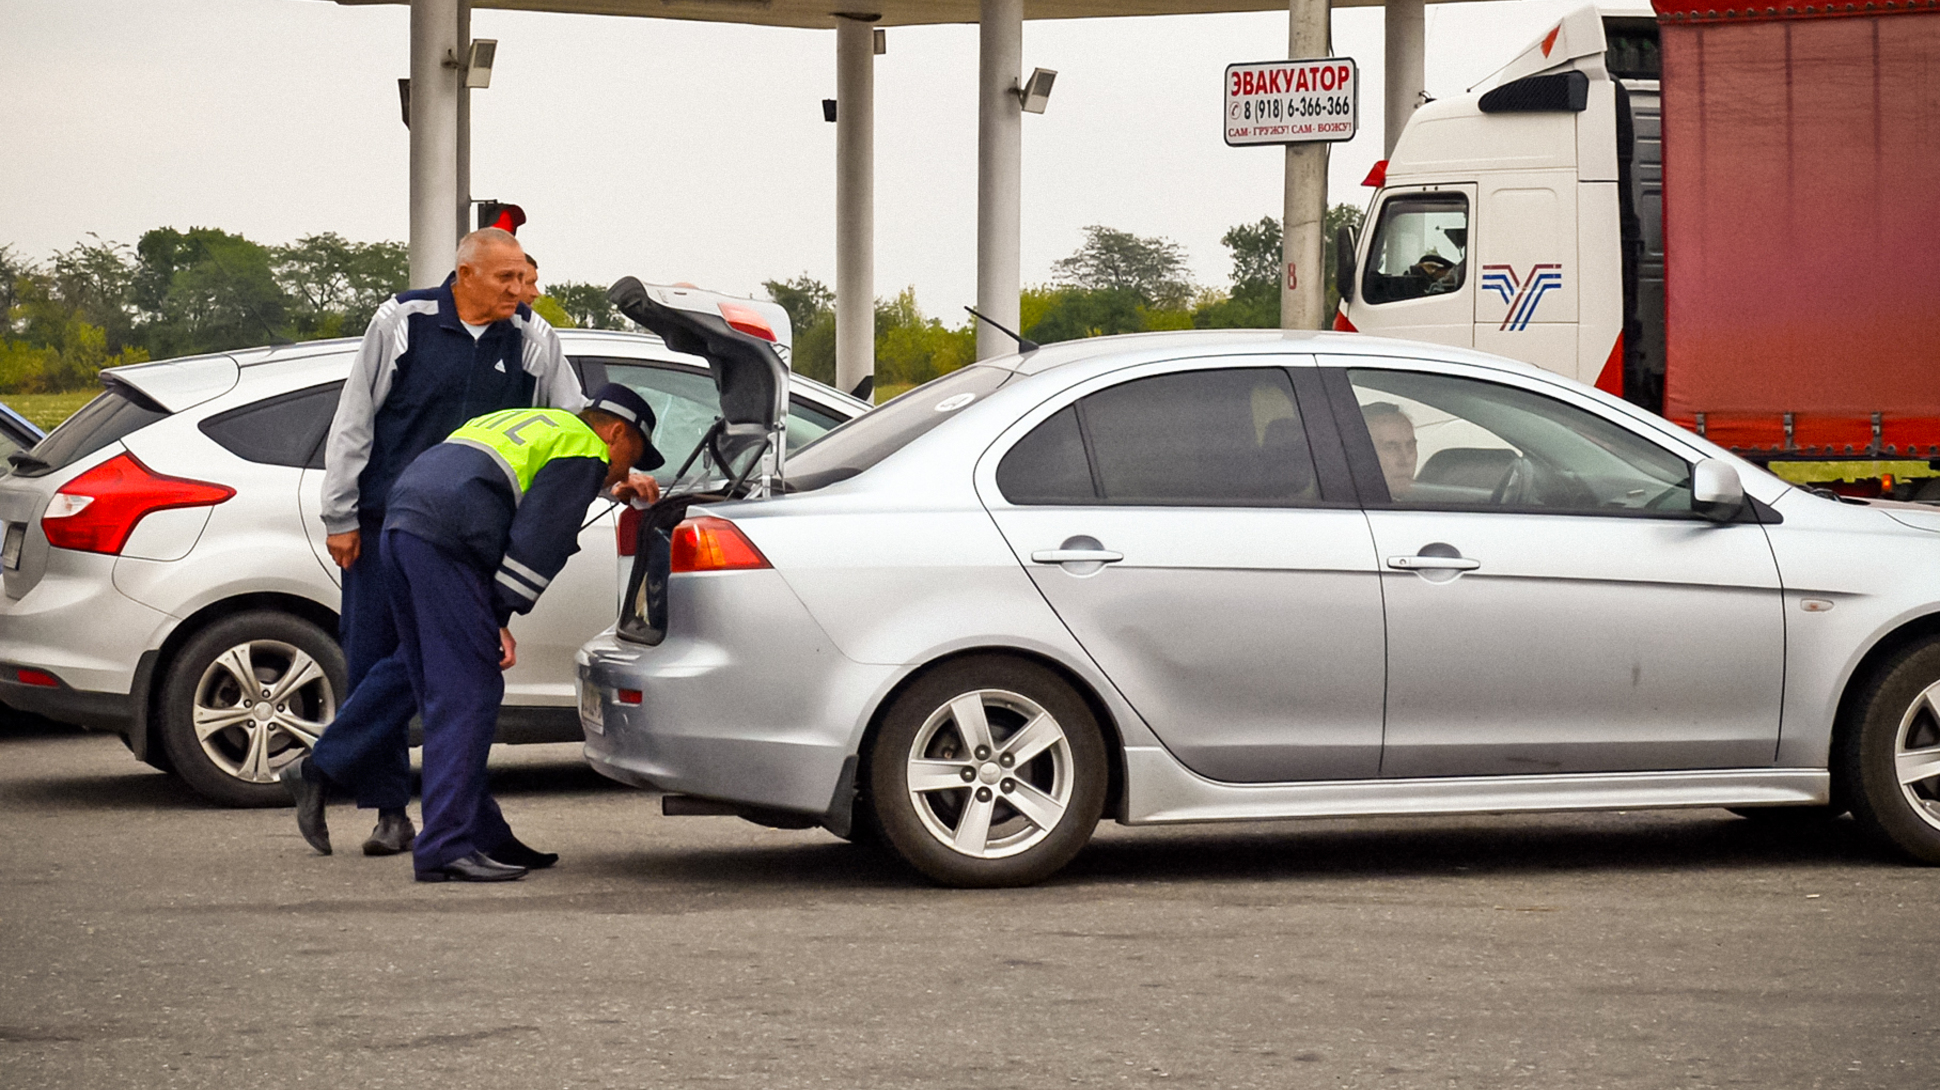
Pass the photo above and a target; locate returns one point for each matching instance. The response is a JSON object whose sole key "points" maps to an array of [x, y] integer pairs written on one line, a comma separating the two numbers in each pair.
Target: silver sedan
{"points": [[1236, 576]]}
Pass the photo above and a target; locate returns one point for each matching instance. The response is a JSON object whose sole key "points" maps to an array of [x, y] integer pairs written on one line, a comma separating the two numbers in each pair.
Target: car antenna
{"points": [[1024, 344]]}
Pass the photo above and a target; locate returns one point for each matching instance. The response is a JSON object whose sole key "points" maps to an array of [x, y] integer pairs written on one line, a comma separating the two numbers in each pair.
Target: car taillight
{"points": [[747, 320], [96, 511], [628, 529], [711, 544], [41, 678]]}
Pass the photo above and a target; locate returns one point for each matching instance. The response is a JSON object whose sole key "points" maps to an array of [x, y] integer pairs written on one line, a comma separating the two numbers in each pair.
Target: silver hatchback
{"points": [[1236, 576], [165, 575]]}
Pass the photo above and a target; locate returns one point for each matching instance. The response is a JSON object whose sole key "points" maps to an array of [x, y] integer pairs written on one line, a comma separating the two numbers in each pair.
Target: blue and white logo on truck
{"points": [[1522, 294]]}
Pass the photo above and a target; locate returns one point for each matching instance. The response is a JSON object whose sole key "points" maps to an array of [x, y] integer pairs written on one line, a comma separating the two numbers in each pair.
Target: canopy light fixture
{"points": [[1036, 91], [478, 70]]}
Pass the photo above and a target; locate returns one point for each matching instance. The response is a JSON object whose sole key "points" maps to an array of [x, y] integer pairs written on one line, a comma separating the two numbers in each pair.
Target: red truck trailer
{"points": [[1774, 286]]}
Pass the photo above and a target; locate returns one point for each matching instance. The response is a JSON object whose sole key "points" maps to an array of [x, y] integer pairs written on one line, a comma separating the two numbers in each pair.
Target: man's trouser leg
{"points": [[449, 644], [367, 747]]}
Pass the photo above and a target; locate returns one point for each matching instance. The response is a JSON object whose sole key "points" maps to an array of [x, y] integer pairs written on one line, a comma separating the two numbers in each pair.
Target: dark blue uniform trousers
{"points": [[367, 748], [448, 640]]}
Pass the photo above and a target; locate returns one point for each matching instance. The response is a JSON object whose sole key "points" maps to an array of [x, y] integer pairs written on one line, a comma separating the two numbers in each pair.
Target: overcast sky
{"points": [[662, 149]]}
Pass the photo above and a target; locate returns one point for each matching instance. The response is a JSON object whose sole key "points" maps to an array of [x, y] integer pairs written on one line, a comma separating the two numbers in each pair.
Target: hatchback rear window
{"points": [[109, 418], [875, 435]]}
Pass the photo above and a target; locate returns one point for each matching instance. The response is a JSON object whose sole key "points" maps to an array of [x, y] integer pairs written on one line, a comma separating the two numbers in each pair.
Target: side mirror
{"points": [[1344, 271], [1716, 492]]}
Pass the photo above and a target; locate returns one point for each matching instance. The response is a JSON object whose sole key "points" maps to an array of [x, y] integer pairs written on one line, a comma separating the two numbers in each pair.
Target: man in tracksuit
{"points": [[430, 361], [477, 527]]}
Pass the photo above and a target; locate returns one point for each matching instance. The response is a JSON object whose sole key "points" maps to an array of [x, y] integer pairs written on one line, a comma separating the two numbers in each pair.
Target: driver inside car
{"points": [[1394, 444]]}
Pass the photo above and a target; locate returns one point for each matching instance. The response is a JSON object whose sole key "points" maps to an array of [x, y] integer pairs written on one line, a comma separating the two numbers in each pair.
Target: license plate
{"points": [[16, 537], [592, 711]]}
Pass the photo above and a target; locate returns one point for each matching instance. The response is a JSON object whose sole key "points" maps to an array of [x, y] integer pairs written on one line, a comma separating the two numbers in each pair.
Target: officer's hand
{"points": [[509, 647], [346, 547], [641, 485]]}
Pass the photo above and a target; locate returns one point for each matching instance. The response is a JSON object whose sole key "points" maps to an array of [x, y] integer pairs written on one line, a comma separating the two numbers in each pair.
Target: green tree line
{"points": [[175, 293]]}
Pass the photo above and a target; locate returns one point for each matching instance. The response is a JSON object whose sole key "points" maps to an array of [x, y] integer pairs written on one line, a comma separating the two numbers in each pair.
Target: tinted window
{"points": [[1420, 248], [106, 419], [1447, 442], [1048, 465], [1200, 438], [875, 435], [286, 430]]}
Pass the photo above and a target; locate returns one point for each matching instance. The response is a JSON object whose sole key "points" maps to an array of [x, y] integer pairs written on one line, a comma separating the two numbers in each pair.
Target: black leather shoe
{"points": [[475, 867], [514, 853], [394, 834], [298, 779]]}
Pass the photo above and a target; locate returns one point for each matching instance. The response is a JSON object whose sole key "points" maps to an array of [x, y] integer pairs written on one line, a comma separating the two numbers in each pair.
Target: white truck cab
{"points": [[1502, 218]]}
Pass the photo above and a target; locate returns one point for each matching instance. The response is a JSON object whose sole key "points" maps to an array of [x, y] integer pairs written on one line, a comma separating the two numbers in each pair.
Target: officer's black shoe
{"points": [[305, 786], [475, 867], [394, 834], [517, 854]]}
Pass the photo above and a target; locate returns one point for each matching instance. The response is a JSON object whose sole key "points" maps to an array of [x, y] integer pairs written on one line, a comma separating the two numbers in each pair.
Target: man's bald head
{"points": [[491, 276]]}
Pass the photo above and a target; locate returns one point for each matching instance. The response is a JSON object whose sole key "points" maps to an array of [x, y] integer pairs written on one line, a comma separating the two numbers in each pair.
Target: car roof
{"points": [[1217, 341]]}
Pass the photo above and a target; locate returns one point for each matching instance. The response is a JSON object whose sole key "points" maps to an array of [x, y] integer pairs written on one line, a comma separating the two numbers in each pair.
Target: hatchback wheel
{"points": [[1889, 763], [988, 772], [245, 697]]}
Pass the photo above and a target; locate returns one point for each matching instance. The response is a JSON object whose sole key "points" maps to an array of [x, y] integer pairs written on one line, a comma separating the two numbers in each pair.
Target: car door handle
{"points": [[1076, 556], [1433, 563]]}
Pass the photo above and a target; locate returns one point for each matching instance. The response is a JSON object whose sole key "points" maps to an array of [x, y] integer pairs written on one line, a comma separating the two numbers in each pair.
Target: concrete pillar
{"points": [[1303, 293], [434, 140], [1000, 168], [1405, 31], [464, 122], [855, 199]]}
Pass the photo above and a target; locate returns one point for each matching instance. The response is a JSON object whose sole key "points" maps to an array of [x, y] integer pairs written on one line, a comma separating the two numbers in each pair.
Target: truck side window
{"points": [[1420, 248]]}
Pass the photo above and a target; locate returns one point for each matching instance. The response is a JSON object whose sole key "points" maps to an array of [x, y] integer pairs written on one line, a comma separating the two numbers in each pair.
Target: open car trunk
{"points": [[742, 454]]}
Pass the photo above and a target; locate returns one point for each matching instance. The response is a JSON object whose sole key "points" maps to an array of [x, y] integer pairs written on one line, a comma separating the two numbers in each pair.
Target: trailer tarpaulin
{"points": [[1802, 226]]}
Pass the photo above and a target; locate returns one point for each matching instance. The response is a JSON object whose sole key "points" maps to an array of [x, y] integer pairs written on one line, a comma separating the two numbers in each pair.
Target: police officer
{"points": [[477, 527], [431, 360]]}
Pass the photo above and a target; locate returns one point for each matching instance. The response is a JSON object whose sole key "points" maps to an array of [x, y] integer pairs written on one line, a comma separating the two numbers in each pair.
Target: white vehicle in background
{"points": [[165, 575]]}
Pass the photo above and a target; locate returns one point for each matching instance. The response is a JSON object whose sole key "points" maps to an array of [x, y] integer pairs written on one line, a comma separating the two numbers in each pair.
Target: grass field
{"points": [[48, 410]]}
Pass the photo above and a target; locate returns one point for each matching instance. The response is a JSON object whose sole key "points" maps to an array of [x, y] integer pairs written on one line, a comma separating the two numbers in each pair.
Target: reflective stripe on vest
{"points": [[522, 441]]}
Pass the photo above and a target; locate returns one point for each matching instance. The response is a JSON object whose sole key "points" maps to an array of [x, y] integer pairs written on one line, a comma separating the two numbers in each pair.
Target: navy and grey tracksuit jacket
{"points": [[418, 376]]}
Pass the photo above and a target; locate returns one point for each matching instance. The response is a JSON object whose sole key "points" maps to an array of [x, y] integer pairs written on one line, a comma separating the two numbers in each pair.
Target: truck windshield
{"points": [[1420, 248]]}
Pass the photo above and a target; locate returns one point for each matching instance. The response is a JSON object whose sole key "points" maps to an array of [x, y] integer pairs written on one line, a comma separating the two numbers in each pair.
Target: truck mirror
{"points": [[1344, 262], [1716, 492]]}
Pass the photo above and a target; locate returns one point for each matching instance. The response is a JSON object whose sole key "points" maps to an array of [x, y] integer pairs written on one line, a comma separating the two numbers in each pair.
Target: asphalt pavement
{"points": [[150, 940]]}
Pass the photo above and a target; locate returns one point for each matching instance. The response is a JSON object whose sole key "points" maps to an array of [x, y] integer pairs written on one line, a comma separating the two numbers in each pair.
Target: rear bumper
{"points": [[98, 711], [75, 625], [766, 718]]}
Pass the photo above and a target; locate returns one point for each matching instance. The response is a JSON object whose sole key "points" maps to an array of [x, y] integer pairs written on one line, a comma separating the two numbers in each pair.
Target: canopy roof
{"points": [[822, 13]]}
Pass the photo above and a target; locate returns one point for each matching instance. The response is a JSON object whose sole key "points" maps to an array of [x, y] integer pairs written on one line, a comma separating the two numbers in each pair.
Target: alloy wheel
{"points": [[1916, 755], [990, 773], [259, 706]]}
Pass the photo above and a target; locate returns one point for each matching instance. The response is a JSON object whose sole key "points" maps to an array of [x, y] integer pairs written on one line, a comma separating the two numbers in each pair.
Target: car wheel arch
{"points": [[1107, 722], [151, 713], [1884, 651]]}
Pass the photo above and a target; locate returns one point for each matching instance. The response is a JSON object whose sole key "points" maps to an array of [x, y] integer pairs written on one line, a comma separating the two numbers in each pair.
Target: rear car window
{"points": [[109, 418], [1195, 438], [875, 435], [285, 430]]}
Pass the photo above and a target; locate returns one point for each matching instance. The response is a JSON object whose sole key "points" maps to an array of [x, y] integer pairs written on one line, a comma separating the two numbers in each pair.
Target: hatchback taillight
{"points": [[712, 544], [96, 511]]}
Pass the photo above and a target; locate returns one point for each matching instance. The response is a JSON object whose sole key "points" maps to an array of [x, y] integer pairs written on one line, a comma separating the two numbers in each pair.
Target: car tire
{"points": [[1888, 758], [229, 742], [988, 772]]}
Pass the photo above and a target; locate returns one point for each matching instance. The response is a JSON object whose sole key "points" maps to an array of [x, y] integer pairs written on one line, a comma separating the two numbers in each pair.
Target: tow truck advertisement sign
{"points": [[1292, 102]]}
